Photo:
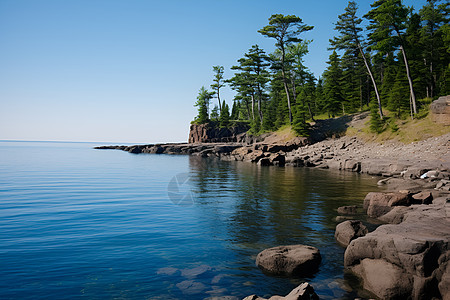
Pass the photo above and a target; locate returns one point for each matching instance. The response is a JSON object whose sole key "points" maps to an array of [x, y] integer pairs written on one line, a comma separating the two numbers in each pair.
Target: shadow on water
{"points": [[260, 207]]}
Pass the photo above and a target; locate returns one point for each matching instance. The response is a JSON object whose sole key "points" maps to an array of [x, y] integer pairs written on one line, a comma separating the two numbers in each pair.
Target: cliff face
{"points": [[211, 133]]}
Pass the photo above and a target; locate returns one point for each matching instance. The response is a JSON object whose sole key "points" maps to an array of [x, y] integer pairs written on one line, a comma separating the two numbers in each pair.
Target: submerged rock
{"points": [[294, 260], [348, 210], [303, 292]]}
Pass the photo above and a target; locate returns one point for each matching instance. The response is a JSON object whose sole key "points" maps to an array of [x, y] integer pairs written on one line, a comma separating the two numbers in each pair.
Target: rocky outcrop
{"points": [[348, 231], [212, 133], [303, 292], [409, 260], [378, 204], [293, 260], [440, 109]]}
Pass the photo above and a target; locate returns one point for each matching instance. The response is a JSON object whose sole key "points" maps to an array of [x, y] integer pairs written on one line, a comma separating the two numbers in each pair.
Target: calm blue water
{"points": [[100, 224]]}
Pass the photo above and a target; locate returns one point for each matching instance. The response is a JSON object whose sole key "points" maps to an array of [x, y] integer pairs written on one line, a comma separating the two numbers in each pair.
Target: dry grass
{"points": [[408, 131]]}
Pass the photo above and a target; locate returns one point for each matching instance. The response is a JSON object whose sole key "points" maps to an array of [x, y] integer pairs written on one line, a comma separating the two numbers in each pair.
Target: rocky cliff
{"points": [[212, 133]]}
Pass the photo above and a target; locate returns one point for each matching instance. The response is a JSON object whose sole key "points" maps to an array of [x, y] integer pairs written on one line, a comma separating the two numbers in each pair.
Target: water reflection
{"points": [[252, 208]]}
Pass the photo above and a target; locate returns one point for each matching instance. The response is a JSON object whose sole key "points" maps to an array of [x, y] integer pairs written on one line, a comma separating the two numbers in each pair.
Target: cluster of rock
{"points": [[290, 261], [346, 153], [408, 258]]}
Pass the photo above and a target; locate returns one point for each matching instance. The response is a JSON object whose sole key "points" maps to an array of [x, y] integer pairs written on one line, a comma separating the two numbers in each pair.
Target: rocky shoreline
{"points": [[407, 257]]}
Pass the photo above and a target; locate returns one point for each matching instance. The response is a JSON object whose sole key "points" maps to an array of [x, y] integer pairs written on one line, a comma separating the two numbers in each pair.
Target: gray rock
{"points": [[293, 260], [348, 231]]}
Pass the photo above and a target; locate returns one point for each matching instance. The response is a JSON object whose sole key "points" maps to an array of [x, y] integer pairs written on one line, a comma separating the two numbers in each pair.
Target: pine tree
{"points": [[285, 30], [214, 116], [388, 21], [218, 84], [350, 40], [333, 86], [202, 104], [224, 119]]}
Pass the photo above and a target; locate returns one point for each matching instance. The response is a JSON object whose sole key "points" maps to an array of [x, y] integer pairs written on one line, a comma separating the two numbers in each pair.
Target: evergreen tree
{"points": [[332, 86], [285, 30], [300, 126], [388, 21], [398, 98], [224, 118], [434, 18], [218, 83], [235, 110], [214, 116], [202, 104], [376, 123], [349, 39]]}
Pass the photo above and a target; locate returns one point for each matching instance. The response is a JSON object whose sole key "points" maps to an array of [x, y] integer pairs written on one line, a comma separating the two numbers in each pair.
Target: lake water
{"points": [[100, 224]]}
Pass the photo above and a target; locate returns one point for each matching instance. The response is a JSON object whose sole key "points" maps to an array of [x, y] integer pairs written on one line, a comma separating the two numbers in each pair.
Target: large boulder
{"points": [[348, 231], [408, 260], [293, 260], [383, 279], [440, 109]]}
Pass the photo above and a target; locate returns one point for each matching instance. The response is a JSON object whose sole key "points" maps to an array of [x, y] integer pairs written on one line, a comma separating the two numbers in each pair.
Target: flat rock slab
{"points": [[412, 256], [293, 260]]}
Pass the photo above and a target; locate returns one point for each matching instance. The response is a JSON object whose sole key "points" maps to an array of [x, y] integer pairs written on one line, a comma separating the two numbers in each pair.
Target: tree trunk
{"points": [[286, 87], [253, 106], [310, 112], [380, 110], [411, 88], [260, 104], [220, 105], [361, 93]]}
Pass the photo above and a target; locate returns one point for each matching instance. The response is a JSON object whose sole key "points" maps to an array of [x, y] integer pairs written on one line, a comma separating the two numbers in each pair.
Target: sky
{"points": [[129, 71]]}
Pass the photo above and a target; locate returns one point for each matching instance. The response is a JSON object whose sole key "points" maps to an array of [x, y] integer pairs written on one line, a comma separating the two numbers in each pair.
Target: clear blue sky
{"points": [[130, 71]]}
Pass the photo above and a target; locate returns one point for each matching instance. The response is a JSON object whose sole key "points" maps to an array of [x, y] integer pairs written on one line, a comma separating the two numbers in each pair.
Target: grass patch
{"points": [[405, 131]]}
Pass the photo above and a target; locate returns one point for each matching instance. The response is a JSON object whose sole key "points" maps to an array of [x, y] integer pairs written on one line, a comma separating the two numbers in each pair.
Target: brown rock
{"points": [[378, 204], [212, 133], [423, 198], [348, 231], [384, 279], [294, 260], [417, 249]]}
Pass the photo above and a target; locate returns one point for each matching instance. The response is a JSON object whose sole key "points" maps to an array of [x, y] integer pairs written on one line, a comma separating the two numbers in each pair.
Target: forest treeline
{"points": [[398, 63]]}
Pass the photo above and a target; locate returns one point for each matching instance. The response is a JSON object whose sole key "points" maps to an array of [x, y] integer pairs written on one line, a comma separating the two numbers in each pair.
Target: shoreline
{"points": [[414, 240]]}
